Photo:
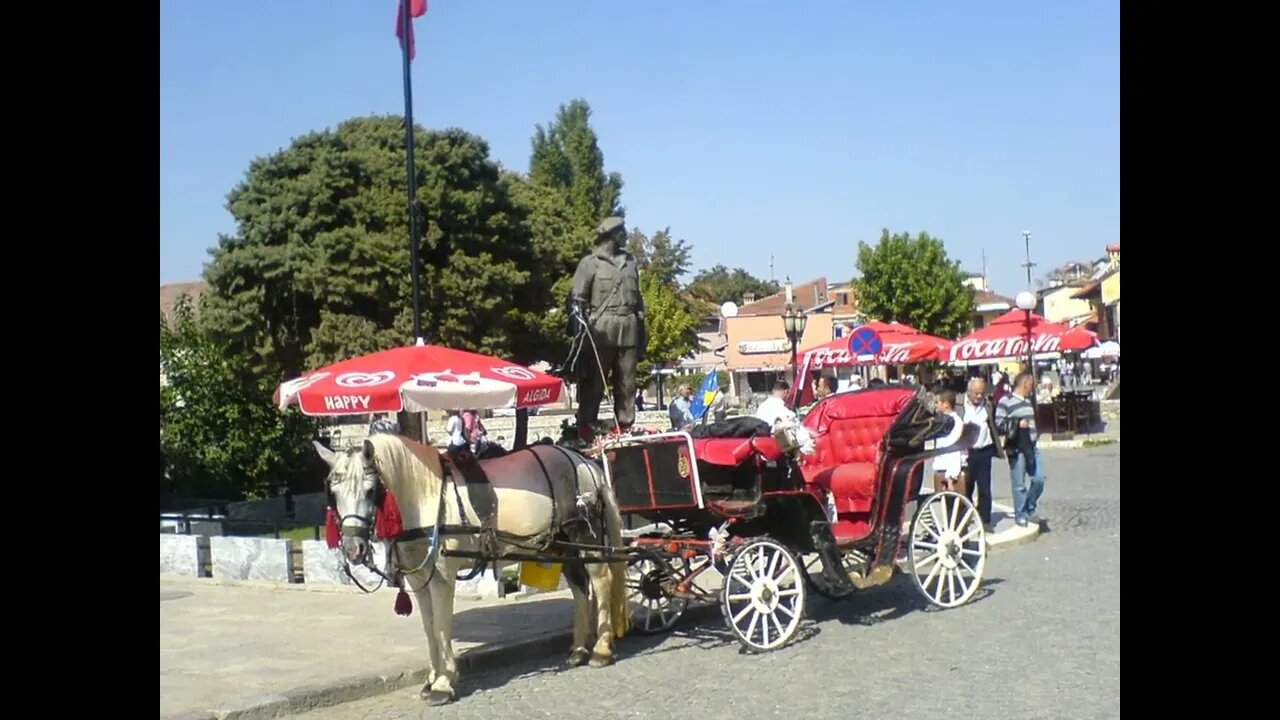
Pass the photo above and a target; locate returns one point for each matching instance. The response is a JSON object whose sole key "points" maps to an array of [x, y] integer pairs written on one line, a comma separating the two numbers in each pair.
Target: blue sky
{"points": [[751, 128]]}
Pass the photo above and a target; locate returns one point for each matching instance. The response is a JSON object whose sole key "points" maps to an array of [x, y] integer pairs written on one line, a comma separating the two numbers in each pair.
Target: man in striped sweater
{"points": [[1016, 420]]}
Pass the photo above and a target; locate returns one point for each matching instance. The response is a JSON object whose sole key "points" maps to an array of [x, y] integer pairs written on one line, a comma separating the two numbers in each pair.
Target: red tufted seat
{"points": [[849, 431]]}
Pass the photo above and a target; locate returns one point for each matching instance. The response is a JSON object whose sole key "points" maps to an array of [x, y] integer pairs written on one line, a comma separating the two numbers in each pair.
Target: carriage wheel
{"points": [[811, 566], [948, 549], [763, 595], [652, 609]]}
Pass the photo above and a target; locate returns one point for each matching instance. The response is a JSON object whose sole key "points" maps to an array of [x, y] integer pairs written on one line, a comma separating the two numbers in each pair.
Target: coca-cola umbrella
{"points": [[417, 379], [900, 345], [1006, 338]]}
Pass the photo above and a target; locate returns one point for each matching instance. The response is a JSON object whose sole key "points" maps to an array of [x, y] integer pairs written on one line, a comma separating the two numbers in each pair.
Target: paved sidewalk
{"points": [[248, 650]]}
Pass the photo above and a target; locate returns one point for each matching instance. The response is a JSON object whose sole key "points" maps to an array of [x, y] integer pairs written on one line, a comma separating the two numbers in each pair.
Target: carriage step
{"points": [[734, 507]]}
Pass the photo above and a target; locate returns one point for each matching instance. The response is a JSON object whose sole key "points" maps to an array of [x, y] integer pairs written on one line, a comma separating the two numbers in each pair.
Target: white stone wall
{"points": [[252, 558]]}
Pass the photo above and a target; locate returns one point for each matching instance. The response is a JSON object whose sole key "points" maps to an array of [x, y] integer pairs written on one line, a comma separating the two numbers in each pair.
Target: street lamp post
{"points": [[1026, 301], [793, 322]]}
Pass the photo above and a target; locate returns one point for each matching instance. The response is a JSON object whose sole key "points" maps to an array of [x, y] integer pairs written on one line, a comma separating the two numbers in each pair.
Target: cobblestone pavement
{"points": [[1040, 640]]}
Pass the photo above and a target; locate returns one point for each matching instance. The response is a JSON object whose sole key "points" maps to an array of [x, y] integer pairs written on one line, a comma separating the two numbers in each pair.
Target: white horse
{"points": [[544, 493]]}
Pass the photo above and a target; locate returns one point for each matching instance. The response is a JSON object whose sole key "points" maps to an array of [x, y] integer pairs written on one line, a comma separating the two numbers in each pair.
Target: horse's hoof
{"points": [[436, 698], [577, 658], [599, 661]]}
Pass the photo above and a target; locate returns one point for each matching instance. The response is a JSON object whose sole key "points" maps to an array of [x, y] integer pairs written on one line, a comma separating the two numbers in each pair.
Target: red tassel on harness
{"points": [[404, 607], [388, 521], [331, 533]]}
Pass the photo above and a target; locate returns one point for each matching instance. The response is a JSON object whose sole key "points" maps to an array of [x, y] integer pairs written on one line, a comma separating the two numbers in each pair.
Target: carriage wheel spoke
{"points": [[790, 613], [932, 574], [738, 618], [740, 596], [773, 563], [785, 573], [751, 627], [968, 516], [932, 557]]}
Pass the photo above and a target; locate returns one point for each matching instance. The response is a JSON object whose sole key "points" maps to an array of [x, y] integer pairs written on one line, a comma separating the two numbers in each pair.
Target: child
{"points": [[947, 467]]}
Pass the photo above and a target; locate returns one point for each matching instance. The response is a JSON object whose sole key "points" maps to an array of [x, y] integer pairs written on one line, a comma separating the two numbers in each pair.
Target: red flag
{"points": [[417, 8]]}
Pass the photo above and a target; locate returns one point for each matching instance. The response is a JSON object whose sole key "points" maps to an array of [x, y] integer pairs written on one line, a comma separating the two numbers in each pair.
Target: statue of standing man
{"points": [[606, 292]]}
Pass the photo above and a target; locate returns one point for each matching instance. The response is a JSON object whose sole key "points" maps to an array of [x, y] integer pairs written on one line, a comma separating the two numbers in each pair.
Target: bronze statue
{"points": [[606, 294]]}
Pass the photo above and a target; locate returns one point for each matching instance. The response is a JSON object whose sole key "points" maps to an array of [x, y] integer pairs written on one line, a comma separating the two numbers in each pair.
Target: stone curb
{"points": [[1013, 536], [476, 660], [1077, 443]]}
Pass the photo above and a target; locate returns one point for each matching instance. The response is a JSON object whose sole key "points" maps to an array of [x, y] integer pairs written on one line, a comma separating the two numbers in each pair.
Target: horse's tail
{"points": [[619, 610]]}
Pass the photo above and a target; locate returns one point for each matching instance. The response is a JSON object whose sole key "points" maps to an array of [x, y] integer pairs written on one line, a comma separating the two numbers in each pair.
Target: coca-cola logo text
{"points": [[890, 354], [1003, 347]]}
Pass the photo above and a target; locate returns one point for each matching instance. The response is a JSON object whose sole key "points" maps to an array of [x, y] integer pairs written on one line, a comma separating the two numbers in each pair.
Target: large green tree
{"points": [[565, 195], [566, 155], [318, 268], [670, 323], [219, 433], [911, 280], [719, 285], [666, 258]]}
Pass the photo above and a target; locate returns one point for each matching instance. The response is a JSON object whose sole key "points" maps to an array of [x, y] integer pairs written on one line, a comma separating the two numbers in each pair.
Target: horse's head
{"points": [[792, 436], [354, 489]]}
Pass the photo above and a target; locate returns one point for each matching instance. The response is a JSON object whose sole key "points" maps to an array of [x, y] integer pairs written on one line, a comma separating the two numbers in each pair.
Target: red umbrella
{"points": [[1006, 337], [417, 379], [900, 345]]}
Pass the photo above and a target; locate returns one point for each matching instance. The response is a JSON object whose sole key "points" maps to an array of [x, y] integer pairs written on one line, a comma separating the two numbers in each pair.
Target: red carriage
{"points": [[775, 523]]}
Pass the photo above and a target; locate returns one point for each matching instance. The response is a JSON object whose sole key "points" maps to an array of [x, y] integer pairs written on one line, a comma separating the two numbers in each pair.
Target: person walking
{"points": [[978, 410], [1015, 418]]}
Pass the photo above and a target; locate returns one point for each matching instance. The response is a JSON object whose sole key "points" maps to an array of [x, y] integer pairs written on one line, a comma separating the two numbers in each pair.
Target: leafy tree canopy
{"points": [[666, 259], [911, 280], [318, 268], [219, 434], [720, 285], [671, 325]]}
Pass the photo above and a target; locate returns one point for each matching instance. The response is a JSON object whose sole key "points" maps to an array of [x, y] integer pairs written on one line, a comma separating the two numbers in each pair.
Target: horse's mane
{"points": [[412, 472]]}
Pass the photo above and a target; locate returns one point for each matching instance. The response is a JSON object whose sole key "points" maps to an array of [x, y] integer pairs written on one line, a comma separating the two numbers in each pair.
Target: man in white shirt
{"points": [[774, 408], [977, 410]]}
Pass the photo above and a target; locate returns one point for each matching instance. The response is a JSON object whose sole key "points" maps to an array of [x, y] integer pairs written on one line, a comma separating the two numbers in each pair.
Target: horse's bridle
{"points": [[369, 525]]}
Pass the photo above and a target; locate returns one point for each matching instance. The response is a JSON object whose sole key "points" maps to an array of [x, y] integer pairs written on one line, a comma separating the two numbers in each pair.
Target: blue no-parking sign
{"points": [[865, 344]]}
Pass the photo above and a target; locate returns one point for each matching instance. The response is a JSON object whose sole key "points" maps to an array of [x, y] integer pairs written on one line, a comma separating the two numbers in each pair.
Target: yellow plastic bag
{"points": [[540, 575]]}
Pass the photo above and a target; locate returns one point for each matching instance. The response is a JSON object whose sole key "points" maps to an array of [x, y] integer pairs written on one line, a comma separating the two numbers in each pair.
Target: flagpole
{"points": [[410, 169]]}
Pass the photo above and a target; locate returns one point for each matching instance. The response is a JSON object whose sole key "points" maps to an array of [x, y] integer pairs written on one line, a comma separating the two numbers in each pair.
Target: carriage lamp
{"points": [[1026, 302], [793, 322]]}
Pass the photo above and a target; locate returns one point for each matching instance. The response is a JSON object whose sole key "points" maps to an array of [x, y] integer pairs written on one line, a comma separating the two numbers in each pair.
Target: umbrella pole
{"points": [[411, 176], [522, 429]]}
